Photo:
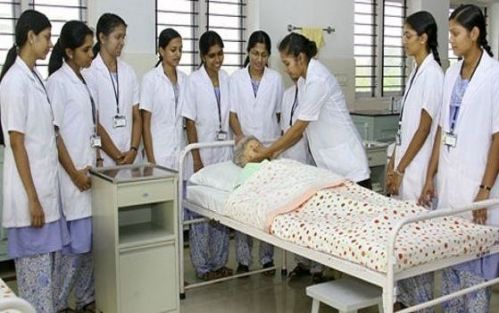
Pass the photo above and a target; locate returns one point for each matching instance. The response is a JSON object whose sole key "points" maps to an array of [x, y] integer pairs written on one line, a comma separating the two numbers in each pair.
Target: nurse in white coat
{"points": [[205, 107], [322, 115], [255, 98], [75, 115], [116, 88], [420, 109], [418, 122], [256, 93], [160, 103], [465, 157], [31, 210]]}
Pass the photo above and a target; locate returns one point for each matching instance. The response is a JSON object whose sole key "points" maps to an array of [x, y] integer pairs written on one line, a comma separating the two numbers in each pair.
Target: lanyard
{"points": [[405, 98], [456, 110], [92, 103], [116, 89], [46, 93], [217, 96], [294, 106], [43, 86]]}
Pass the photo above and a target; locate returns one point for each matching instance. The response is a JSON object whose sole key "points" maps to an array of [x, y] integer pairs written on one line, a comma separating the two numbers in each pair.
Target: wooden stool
{"points": [[347, 295]]}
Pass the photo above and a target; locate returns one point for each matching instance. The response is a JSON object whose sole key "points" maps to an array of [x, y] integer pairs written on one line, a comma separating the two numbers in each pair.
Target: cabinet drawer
{"points": [[376, 157], [155, 191]]}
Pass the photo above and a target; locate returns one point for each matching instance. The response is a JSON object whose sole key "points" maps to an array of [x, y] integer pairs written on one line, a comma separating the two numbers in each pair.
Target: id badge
{"points": [[95, 141], [221, 135], [398, 139], [450, 140], [119, 121]]}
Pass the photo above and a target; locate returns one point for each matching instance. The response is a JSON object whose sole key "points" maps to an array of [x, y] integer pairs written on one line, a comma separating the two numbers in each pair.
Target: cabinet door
{"points": [[148, 279]]}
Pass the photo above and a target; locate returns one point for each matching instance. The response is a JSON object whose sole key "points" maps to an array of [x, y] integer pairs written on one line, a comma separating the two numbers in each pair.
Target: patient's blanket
{"points": [[280, 186], [295, 202]]}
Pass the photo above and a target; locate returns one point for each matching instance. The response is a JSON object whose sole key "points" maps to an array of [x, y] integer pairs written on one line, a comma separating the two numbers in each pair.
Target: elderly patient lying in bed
{"points": [[321, 210]]}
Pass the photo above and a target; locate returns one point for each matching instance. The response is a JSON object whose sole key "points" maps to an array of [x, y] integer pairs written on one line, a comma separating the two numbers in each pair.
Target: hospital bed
{"points": [[207, 201]]}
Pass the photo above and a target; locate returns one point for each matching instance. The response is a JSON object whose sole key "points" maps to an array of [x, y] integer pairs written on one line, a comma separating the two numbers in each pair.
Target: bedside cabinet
{"points": [[135, 243]]}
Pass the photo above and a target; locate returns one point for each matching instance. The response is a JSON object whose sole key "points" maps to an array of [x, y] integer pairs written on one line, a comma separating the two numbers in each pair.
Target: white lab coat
{"points": [[158, 97], [25, 109], [199, 104], [73, 115], [257, 115], [424, 94], [299, 151], [333, 139], [461, 169], [99, 80]]}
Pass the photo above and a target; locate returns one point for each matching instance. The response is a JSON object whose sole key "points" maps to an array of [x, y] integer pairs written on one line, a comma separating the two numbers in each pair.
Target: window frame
{"points": [[378, 52], [201, 22]]}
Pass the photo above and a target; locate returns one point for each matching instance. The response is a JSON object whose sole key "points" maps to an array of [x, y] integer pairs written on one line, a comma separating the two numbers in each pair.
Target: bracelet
{"points": [[134, 148], [485, 187]]}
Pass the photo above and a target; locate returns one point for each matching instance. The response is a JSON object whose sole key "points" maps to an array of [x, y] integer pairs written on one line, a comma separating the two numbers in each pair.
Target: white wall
{"points": [[493, 12]]}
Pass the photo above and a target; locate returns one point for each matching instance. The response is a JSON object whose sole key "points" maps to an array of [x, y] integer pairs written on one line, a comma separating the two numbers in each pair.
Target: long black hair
{"points": [[294, 44], [257, 37], [105, 25], [209, 39], [165, 37], [469, 16], [422, 22], [30, 20], [72, 36]]}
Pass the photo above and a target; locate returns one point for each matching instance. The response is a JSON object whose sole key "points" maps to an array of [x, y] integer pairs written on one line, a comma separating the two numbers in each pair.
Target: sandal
{"points": [[271, 272]]}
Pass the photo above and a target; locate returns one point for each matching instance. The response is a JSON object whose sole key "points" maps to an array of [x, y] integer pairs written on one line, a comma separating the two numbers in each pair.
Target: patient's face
{"points": [[253, 148]]}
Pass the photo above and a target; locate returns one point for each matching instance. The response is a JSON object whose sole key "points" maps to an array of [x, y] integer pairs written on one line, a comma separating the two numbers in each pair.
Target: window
{"points": [[452, 58], [58, 12], [380, 61], [365, 46], [394, 13], [9, 11], [227, 19], [192, 17], [182, 15]]}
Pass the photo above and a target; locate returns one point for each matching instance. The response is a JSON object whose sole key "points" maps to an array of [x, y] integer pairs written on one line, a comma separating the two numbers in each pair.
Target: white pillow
{"points": [[222, 176]]}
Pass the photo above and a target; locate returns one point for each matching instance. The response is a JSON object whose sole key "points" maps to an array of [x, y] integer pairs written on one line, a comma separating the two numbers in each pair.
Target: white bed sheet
{"points": [[207, 197]]}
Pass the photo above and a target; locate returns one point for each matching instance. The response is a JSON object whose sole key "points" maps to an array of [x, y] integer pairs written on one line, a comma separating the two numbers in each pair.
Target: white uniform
{"points": [[299, 151], [461, 168], [25, 109], [199, 104], [257, 114], [100, 82], [333, 139], [158, 97], [73, 115], [425, 93]]}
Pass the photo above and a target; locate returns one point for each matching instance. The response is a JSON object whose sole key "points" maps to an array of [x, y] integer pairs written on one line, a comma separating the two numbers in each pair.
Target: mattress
{"points": [[207, 197]]}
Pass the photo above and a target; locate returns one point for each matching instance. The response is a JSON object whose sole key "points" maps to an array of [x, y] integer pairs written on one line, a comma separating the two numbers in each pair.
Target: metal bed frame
{"points": [[387, 281]]}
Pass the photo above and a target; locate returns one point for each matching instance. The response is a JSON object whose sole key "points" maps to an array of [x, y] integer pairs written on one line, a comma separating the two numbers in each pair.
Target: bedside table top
{"points": [[132, 173]]}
